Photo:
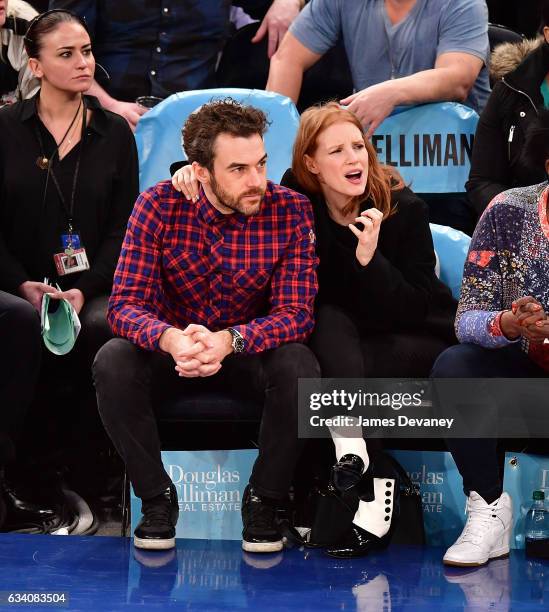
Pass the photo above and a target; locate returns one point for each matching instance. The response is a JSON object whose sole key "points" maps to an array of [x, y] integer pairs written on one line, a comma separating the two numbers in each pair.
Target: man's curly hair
{"points": [[226, 116]]}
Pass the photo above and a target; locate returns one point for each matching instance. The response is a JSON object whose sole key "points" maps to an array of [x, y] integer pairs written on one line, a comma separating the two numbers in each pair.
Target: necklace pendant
{"points": [[42, 162]]}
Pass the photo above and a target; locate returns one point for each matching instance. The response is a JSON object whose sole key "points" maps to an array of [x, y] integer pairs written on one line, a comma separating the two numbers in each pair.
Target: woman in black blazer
{"points": [[68, 182]]}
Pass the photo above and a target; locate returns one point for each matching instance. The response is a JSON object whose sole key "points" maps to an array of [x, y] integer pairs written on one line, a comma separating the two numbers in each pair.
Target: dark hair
{"points": [[44, 24], [226, 116], [545, 13], [536, 146]]}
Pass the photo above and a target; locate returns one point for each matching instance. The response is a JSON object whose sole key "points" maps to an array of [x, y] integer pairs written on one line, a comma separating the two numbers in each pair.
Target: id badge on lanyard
{"points": [[73, 258]]}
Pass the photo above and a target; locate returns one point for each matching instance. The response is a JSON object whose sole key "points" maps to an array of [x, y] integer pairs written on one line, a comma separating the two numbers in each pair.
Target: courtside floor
{"points": [[105, 573]]}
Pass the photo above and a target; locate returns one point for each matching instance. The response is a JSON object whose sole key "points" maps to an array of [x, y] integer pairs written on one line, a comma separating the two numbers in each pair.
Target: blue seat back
{"points": [[430, 145], [452, 247], [158, 133]]}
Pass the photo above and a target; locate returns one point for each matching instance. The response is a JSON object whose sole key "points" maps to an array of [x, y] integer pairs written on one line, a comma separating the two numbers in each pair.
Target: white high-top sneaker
{"points": [[486, 534]]}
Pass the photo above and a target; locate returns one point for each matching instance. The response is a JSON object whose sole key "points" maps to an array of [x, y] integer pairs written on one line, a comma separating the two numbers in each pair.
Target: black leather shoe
{"points": [[20, 511], [348, 477], [357, 543], [260, 533], [156, 530], [347, 472]]}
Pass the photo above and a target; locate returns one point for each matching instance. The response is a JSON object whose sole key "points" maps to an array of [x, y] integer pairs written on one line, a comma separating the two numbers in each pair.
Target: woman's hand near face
{"points": [[368, 237], [184, 180]]}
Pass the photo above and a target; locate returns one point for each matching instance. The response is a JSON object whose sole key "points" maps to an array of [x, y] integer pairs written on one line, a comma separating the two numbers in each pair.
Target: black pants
{"points": [[20, 359], [127, 377], [344, 352], [477, 459], [26, 366]]}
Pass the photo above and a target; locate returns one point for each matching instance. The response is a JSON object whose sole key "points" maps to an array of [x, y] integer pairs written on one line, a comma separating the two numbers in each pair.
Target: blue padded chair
{"points": [[451, 246], [238, 418], [430, 145], [158, 133]]}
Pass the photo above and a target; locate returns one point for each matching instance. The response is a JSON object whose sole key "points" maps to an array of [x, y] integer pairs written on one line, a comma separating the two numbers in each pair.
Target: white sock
{"points": [[346, 442], [371, 515]]}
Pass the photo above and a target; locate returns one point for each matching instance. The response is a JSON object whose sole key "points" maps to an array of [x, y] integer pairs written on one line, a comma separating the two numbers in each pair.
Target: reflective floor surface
{"points": [[101, 573]]}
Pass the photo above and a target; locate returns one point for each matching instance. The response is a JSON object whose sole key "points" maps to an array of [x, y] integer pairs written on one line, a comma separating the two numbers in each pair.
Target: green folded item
{"points": [[60, 325]]}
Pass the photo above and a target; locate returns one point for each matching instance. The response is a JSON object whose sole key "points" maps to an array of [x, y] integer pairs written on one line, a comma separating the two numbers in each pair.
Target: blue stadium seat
{"points": [[430, 145], [451, 246], [158, 133]]}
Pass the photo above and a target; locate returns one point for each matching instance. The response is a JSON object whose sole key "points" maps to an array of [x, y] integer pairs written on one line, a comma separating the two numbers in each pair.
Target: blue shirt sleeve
{"points": [[464, 29], [318, 26]]}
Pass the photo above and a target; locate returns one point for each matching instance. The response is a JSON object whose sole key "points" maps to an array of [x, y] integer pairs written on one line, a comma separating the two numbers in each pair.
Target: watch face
{"points": [[238, 344], [238, 340]]}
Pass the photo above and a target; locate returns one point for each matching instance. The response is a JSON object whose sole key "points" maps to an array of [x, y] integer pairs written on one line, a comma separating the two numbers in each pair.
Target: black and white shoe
{"points": [[260, 533], [156, 530], [371, 523], [348, 477], [357, 543], [347, 472]]}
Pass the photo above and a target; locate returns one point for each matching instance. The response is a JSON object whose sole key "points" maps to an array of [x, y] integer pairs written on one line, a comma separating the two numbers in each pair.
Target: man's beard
{"points": [[235, 203]]}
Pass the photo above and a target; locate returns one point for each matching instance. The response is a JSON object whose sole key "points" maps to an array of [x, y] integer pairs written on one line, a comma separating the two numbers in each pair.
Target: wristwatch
{"points": [[238, 340]]}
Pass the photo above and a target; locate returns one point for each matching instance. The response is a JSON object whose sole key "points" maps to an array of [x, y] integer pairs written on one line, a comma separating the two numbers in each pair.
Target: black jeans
{"points": [[27, 367], [24, 359], [477, 459], [344, 352], [20, 359], [126, 378]]}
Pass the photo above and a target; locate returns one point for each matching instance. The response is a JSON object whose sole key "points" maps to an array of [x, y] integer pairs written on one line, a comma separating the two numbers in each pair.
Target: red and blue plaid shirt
{"points": [[183, 262]]}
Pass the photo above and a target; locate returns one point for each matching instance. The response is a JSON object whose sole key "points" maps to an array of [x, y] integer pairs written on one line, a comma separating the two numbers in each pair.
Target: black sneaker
{"points": [[260, 533], [156, 530]]}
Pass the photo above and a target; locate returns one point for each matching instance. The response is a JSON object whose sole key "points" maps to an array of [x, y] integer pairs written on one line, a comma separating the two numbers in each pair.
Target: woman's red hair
{"points": [[382, 180]]}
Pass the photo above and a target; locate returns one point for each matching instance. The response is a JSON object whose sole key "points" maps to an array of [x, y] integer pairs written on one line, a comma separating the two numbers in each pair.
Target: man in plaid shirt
{"points": [[219, 291]]}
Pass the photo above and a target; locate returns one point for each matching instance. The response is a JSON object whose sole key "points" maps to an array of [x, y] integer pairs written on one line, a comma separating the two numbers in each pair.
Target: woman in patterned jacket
{"points": [[503, 329]]}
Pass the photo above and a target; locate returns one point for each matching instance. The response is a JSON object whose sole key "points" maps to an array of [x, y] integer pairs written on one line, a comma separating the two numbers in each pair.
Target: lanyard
{"points": [[70, 210]]}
